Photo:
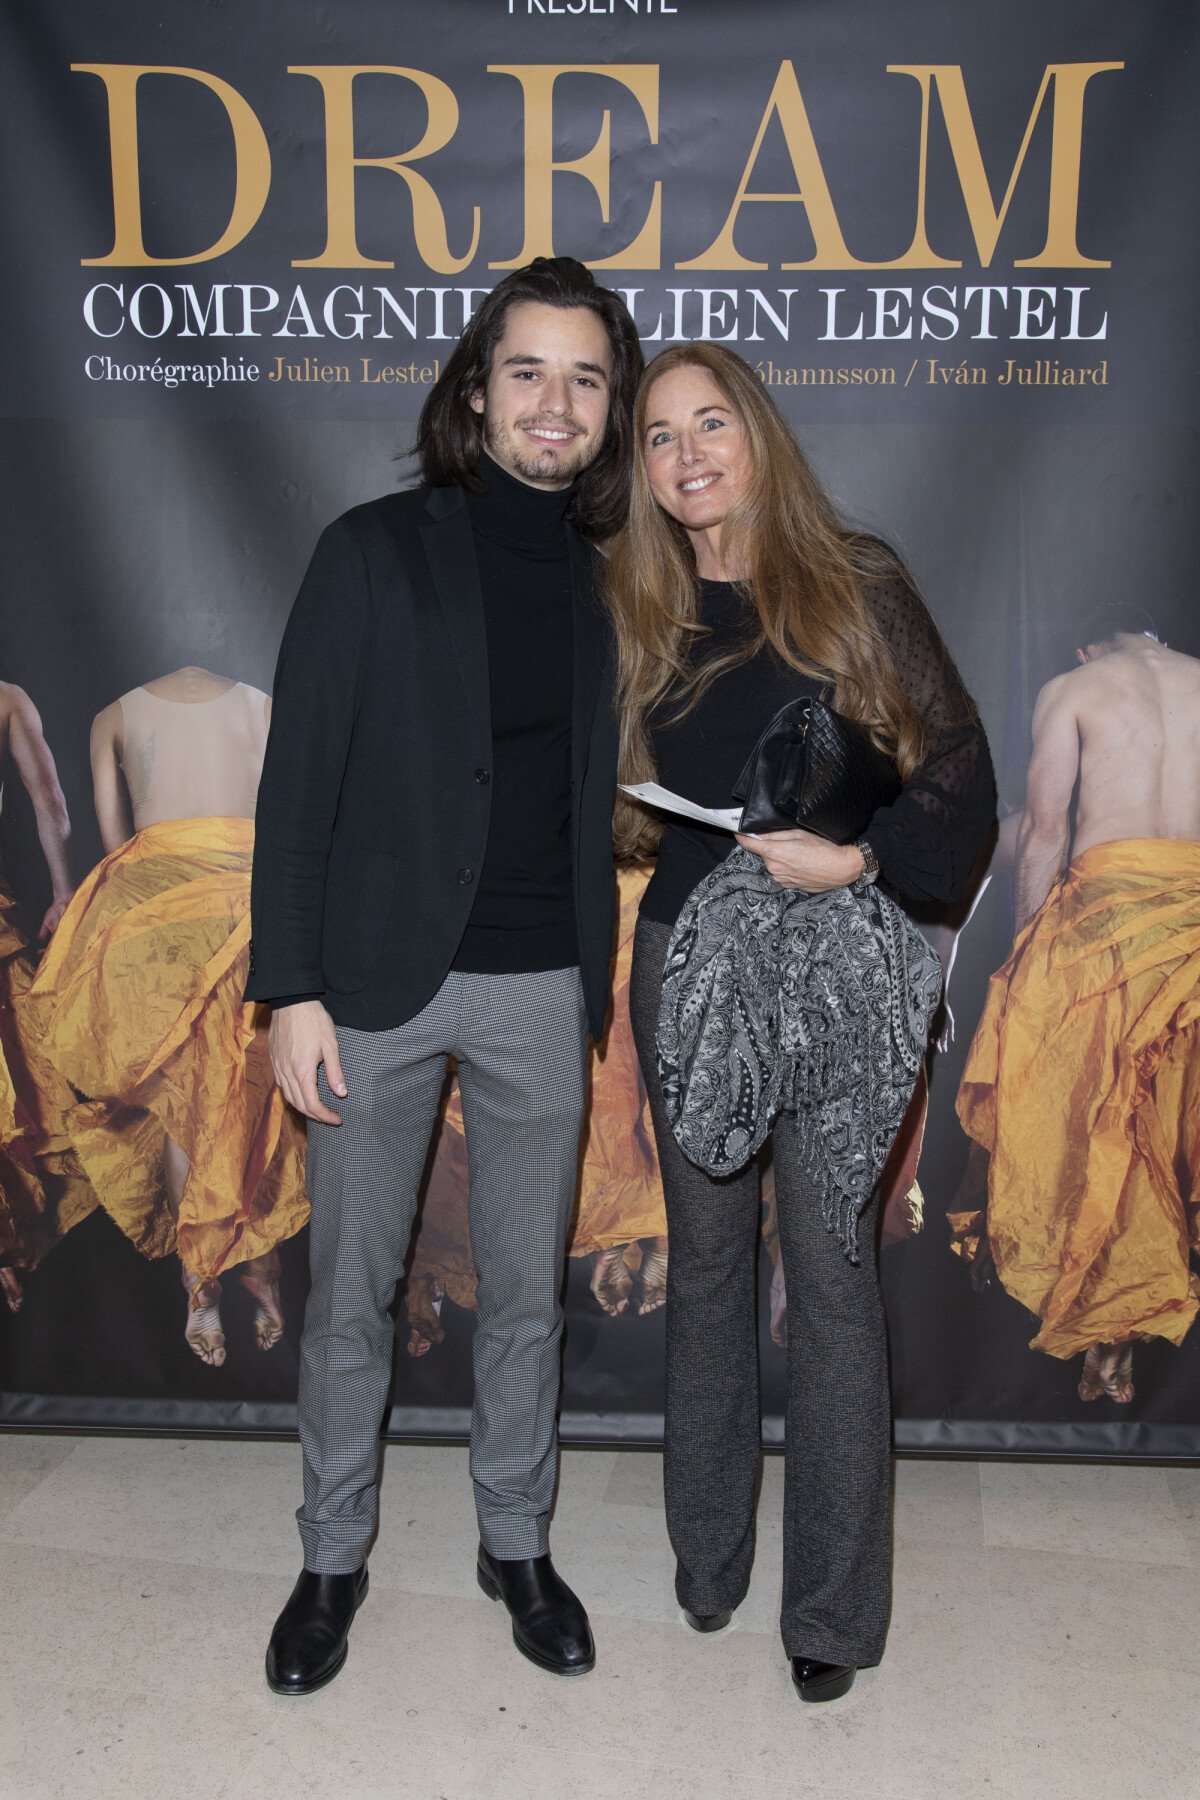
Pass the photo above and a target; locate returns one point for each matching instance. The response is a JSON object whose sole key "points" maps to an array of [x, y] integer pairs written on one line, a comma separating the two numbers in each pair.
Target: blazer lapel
{"points": [[451, 553], [590, 655]]}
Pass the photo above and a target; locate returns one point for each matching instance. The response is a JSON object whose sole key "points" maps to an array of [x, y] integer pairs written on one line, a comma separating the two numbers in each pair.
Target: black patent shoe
{"points": [[549, 1625], [821, 1680], [708, 1621], [309, 1643]]}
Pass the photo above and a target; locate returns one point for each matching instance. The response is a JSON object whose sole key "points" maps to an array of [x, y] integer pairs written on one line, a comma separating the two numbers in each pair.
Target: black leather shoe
{"points": [[309, 1643], [708, 1621], [821, 1680], [549, 1625]]}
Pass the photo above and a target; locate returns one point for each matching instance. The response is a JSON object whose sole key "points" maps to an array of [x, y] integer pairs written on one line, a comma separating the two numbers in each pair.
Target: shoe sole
{"points": [[293, 1690], [831, 1689], [491, 1589]]}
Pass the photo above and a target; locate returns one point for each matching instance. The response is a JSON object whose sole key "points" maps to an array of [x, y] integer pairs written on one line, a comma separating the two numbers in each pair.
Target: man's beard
{"points": [[537, 466]]}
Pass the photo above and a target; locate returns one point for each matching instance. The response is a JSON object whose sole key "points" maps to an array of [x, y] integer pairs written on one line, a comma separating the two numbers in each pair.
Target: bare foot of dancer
{"points": [[260, 1278], [10, 1287], [611, 1280], [203, 1331], [1108, 1370], [654, 1276], [424, 1303], [778, 1306]]}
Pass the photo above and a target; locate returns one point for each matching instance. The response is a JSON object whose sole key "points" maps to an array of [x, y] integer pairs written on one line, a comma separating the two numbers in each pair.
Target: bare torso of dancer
{"points": [[1137, 711], [1125, 727], [189, 745], [192, 747]]}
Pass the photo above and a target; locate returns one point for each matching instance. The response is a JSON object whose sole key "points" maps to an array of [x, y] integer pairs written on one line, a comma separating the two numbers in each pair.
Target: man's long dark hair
{"points": [[450, 433]]}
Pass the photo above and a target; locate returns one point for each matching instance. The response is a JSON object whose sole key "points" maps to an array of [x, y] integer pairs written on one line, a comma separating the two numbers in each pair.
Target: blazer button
{"points": [[466, 876], [482, 777]]}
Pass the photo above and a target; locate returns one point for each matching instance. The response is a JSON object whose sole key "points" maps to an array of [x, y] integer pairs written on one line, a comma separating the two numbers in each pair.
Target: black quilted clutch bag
{"points": [[815, 769]]}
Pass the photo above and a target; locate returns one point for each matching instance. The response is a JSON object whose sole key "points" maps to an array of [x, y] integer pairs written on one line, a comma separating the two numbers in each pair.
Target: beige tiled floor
{"points": [[1043, 1641]]}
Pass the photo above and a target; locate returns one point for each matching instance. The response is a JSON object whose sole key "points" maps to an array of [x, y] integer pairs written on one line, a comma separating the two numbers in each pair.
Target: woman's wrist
{"points": [[852, 864]]}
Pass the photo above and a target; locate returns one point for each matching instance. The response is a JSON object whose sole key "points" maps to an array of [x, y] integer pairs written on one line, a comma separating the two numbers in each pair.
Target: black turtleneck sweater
{"points": [[524, 917]]}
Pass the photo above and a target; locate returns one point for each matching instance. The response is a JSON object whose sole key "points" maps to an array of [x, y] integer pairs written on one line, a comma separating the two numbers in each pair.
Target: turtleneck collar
{"points": [[510, 512]]}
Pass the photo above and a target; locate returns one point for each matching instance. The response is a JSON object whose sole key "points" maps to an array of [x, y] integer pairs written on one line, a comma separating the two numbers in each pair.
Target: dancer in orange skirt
{"points": [[181, 1127], [43, 1190], [1083, 1080]]}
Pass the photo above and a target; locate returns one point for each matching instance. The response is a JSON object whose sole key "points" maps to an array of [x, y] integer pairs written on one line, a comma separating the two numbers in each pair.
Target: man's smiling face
{"points": [[545, 406]]}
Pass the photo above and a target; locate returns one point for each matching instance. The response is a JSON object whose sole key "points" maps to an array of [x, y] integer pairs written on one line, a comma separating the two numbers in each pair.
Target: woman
{"points": [[735, 589]]}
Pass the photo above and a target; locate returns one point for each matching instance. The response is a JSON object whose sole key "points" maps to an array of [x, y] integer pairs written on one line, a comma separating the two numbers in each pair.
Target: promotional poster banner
{"points": [[959, 248]]}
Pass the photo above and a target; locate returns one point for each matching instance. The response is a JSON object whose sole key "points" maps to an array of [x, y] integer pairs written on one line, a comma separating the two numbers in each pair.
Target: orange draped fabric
{"points": [[140, 1002], [43, 1190], [1083, 1084], [620, 1196]]}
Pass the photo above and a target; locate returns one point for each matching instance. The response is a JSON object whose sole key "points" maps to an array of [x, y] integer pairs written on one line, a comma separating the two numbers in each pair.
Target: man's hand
{"points": [[801, 859], [301, 1038]]}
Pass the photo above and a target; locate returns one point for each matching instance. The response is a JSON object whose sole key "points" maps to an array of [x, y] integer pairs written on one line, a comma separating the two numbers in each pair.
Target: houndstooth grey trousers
{"points": [[520, 1043], [837, 1470]]}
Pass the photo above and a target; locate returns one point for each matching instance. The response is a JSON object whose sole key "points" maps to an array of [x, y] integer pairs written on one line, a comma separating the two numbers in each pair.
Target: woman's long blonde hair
{"points": [[803, 573]]}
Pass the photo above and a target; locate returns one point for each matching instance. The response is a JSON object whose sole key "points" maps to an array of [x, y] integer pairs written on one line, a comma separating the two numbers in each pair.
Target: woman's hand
{"points": [[801, 859]]}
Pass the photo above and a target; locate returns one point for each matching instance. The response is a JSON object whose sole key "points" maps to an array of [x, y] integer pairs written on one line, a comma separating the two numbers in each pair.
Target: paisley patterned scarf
{"points": [[775, 1000]]}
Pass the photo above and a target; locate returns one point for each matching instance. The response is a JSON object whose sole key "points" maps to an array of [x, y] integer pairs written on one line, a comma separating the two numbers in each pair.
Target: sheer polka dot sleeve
{"points": [[929, 839]]}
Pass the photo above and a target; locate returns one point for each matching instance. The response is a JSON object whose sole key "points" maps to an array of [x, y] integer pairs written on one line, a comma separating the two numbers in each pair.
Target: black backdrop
{"points": [[162, 501]]}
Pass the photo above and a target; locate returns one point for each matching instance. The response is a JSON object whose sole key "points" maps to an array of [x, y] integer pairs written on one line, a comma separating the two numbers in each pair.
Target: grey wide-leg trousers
{"points": [[520, 1045], [836, 1538]]}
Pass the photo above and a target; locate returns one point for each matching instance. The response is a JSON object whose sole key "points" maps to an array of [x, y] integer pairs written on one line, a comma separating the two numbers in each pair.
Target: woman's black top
{"points": [[926, 842]]}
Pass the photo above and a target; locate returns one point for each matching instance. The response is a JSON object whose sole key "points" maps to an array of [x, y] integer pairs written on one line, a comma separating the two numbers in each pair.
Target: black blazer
{"points": [[373, 808]]}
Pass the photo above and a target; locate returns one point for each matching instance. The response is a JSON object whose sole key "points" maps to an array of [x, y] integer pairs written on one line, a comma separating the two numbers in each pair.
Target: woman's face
{"points": [[698, 456]]}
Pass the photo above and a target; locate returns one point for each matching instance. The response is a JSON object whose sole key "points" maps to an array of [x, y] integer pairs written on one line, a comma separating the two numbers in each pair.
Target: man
{"points": [[1083, 1081], [433, 877]]}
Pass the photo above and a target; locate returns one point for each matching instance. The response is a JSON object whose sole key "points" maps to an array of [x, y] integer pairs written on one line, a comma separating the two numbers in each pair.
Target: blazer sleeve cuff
{"points": [[296, 984]]}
